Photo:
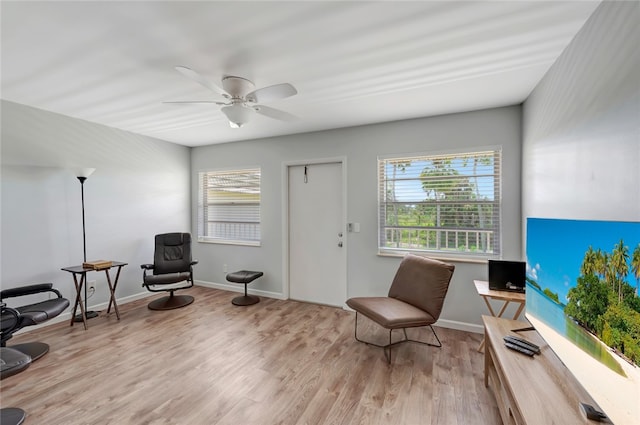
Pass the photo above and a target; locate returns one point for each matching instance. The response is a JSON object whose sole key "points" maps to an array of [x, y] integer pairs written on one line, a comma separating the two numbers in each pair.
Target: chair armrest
{"points": [[194, 262], [28, 290], [146, 266], [9, 310], [10, 321]]}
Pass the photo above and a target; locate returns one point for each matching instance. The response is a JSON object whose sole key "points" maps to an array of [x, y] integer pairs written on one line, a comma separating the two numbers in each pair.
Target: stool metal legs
{"points": [[245, 299]]}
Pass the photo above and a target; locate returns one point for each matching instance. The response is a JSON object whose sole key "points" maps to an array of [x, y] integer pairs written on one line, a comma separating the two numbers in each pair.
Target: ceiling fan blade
{"points": [[275, 92], [192, 75], [182, 102], [274, 113]]}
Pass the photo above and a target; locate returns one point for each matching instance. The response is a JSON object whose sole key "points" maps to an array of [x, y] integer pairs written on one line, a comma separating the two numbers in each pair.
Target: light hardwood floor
{"points": [[276, 362]]}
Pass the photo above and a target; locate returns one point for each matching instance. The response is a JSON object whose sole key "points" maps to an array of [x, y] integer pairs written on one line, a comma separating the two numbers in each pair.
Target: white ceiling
{"points": [[353, 63]]}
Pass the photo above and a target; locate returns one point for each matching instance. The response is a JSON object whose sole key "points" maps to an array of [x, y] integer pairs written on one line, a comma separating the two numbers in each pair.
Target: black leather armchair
{"points": [[14, 319], [172, 270]]}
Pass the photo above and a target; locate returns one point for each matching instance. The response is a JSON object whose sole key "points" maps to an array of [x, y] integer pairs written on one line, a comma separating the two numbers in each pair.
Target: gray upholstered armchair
{"points": [[172, 270], [415, 299]]}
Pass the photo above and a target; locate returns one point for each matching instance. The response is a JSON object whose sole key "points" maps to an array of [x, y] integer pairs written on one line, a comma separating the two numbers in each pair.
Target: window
{"points": [[229, 207], [447, 204]]}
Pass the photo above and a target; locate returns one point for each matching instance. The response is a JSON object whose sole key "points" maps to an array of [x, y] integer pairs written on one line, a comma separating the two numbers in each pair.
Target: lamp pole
{"points": [[84, 235], [82, 177]]}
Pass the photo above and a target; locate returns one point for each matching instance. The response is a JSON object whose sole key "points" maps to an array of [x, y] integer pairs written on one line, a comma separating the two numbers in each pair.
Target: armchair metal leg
{"points": [[387, 347]]}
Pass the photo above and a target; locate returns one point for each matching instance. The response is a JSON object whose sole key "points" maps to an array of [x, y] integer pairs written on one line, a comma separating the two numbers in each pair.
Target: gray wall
{"points": [[581, 152], [367, 273], [140, 188], [581, 124]]}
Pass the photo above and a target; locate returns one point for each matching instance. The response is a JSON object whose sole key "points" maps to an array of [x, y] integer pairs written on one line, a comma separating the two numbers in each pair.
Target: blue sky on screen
{"points": [[556, 248]]}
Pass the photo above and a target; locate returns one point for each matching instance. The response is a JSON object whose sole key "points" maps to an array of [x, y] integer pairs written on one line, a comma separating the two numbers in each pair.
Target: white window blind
{"points": [[444, 204], [229, 207]]}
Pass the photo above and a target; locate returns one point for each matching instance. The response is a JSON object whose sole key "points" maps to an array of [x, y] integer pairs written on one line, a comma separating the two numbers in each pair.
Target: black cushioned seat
{"points": [[245, 277], [34, 314], [14, 319]]}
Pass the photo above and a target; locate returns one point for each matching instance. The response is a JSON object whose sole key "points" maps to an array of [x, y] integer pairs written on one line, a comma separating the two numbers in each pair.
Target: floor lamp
{"points": [[83, 174]]}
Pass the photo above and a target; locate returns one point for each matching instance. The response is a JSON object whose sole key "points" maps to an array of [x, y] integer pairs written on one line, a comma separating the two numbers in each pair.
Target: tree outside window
{"points": [[441, 203]]}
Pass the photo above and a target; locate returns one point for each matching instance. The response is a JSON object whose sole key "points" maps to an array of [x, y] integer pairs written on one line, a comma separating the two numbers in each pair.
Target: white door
{"points": [[317, 256]]}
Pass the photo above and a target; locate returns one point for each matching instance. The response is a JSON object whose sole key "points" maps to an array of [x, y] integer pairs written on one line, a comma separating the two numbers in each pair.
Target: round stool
{"points": [[245, 277]]}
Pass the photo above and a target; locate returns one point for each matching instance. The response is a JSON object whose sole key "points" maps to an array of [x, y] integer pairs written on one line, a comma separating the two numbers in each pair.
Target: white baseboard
{"points": [[240, 288], [461, 326]]}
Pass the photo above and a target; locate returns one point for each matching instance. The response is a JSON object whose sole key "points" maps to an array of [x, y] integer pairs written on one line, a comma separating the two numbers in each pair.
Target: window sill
{"points": [[229, 242], [438, 256]]}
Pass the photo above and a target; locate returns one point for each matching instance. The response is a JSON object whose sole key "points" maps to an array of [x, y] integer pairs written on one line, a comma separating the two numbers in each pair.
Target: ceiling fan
{"points": [[241, 97]]}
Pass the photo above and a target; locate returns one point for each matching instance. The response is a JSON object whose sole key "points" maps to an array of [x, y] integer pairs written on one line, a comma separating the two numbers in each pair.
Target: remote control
{"points": [[591, 413], [519, 349], [522, 343]]}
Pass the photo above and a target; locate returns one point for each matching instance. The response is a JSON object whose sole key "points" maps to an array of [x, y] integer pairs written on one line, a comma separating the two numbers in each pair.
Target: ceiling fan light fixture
{"points": [[237, 114], [242, 97]]}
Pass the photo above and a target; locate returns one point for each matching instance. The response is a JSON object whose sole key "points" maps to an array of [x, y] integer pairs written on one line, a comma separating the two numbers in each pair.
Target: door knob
{"points": [[340, 244]]}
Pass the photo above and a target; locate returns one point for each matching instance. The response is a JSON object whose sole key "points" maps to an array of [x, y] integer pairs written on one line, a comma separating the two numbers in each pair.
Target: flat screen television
{"points": [[582, 297]]}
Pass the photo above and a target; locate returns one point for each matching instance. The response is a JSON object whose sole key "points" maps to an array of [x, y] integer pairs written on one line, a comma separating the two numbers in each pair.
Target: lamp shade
{"points": [[237, 114], [84, 172]]}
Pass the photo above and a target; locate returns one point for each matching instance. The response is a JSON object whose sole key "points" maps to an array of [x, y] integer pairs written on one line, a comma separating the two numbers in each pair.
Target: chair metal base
{"points": [[387, 347], [245, 300], [12, 362], [12, 416], [35, 350], [170, 302]]}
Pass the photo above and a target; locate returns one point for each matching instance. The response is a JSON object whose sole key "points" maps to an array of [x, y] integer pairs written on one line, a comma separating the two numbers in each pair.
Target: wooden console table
{"points": [[530, 390]]}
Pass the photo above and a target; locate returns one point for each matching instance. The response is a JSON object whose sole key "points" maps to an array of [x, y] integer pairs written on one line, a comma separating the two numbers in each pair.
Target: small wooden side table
{"points": [[82, 272], [482, 286]]}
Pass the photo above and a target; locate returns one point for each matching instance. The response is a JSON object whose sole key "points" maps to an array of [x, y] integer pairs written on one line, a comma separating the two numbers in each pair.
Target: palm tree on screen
{"points": [[589, 263], [635, 265], [620, 266]]}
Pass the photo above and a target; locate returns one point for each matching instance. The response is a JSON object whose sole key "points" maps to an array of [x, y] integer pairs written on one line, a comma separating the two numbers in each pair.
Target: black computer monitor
{"points": [[507, 275]]}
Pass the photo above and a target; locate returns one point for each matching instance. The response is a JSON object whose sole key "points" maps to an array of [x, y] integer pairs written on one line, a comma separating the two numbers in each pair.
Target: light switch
{"points": [[356, 227]]}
